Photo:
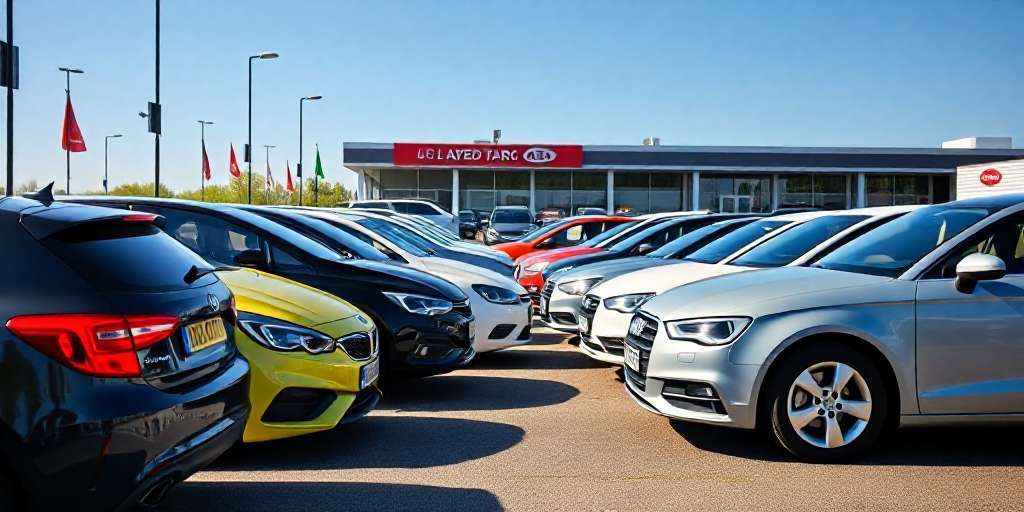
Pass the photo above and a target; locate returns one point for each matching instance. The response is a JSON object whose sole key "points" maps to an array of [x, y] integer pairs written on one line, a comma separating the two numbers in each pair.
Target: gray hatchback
{"points": [[917, 322]]}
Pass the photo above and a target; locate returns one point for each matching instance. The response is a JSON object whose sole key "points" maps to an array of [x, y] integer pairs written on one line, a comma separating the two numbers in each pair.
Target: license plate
{"points": [[369, 373], [584, 325], [632, 359], [205, 334]]}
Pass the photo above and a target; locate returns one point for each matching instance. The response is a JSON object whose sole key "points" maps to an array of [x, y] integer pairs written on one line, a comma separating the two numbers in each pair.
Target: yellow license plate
{"points": [[204, 334]]}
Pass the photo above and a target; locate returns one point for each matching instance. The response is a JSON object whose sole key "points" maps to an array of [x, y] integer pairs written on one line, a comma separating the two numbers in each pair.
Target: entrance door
{"points": [[735, 204]]}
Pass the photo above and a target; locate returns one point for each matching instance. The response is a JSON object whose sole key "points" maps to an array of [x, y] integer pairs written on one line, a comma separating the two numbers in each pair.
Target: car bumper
{"points": [[501, 326], [677, 370], [296, 393], [430, 345], [561, 311]]}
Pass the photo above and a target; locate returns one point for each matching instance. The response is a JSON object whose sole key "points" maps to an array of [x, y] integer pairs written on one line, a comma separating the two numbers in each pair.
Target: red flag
{"points": [[207, 173], [71, 137], [233, 165], [289, 187]]}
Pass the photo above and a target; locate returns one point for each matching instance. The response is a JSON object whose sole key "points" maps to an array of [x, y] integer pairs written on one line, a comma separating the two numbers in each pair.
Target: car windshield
{"points": [[426, 225], [627, 243], [684, 245], [893, 248], [399, 235], [467, 216], [357, 247], [794, 243], [302, 242], [511, 216], [717, 251], [610, 234], [419, 230], [541, 232]]}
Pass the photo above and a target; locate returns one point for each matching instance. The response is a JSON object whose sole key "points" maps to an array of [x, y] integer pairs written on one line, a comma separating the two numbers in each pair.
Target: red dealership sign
{"points": [[487, 155], [991, 177]]}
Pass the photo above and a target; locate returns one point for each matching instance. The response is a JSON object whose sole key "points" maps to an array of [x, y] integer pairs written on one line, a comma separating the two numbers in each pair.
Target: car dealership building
{"points": [[654, 178]]}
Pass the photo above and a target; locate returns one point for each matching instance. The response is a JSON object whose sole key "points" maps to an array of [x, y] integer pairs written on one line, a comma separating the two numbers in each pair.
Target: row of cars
{"points": [[143, 337], [823, 328]]}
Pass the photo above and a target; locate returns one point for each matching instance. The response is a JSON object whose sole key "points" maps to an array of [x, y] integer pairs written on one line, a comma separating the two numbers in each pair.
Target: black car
{"points": [[119, 376], [470, 223], [646, 240], [425, 322]]}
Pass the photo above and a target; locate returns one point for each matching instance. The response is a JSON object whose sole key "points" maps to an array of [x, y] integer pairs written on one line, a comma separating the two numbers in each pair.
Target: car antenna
{"points": [[43, 195]]}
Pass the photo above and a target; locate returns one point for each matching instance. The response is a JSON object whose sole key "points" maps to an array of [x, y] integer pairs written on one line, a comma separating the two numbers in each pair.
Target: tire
{"points": [[829, 433]]}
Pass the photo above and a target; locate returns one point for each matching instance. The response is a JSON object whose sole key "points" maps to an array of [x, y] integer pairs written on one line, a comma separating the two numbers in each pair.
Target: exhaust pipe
{"points": [[156, 494]]}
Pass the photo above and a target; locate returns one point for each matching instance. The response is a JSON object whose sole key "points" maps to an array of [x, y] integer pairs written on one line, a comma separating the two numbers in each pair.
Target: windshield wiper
{"points": [[195, 272]]}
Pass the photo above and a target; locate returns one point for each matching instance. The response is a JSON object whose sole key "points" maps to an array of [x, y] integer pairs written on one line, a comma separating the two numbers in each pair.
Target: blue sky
{"points": [[591, 72]]}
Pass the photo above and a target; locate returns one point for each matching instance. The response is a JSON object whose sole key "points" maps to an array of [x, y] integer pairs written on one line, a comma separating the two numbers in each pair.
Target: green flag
{"points": [[319, 167]]}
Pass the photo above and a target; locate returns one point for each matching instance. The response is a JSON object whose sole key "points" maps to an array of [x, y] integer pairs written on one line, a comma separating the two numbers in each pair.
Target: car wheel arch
{"points": [[854, 342]]}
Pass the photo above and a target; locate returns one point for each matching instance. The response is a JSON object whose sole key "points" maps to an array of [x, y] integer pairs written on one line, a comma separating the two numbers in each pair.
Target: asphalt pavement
{"points": [[544, 428]]}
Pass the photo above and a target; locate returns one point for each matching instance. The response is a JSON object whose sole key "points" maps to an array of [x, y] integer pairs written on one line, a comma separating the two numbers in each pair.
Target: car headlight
{"points": [[537, 267], [496, 295], [579, 286], [284, 336], [627, 303], [708, 331], [420, 304]]}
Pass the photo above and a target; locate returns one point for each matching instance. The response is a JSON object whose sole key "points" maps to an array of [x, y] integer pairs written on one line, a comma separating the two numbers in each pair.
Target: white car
{"points": [[416, 207], [430, 231], [786, 240], [501, 307]]}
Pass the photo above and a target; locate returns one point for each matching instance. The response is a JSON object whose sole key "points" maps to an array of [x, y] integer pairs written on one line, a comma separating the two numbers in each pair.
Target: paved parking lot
{"points": [[543, 428]]}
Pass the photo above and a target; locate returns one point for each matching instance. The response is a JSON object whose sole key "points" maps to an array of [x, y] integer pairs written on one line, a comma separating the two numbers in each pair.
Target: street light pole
{"points": [[156, 136], [248, 146], [106, 150], [202, 162], [67, 92], [9, 72], [306, 98]]}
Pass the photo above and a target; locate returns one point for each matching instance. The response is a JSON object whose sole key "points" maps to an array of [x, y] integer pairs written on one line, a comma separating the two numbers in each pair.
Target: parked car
{"points": [[425, 323], [546, 216], [794, 239], [436, 246], [565, 286], [431, 231], [916, 322], [566, 233], [590, 210], [508, 223], [470, 223], [313, 356], [117, 356], [417, 207], [500, 306]]}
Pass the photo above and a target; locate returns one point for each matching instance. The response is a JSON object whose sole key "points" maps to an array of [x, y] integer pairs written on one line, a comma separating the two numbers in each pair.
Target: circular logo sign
{"points": [[539, 155], [991, 177]]}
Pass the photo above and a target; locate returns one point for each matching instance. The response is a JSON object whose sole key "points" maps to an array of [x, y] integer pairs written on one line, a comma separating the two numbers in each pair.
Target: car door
{"points": [[970, 346]]}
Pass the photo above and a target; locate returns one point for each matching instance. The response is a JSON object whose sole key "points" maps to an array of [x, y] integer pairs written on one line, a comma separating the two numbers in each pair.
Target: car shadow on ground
{"points": [[535, 360], [457, 392], [324, 496], [378, 442], [937, 446], [547, 338]]}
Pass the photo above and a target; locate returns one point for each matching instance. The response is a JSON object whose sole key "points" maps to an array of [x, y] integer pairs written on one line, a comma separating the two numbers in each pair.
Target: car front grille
{"points": [[642, 331], [463, 308], [588, 307], [549, 288]]}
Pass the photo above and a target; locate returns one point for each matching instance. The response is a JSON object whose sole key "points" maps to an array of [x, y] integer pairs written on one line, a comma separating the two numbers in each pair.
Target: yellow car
{"points": [[313, 357]]}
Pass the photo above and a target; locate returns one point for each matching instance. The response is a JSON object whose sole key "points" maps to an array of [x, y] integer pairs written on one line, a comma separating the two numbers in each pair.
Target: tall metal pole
{"points": [[300, 150], [67, 93], [156, 136], [10, 99], [248, 146], [106, 150], [316, 184]]}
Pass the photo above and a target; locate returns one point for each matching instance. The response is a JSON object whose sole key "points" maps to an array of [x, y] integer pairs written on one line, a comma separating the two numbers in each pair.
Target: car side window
{"points": [[283, 261], [216, 240], [1004, 239], [592, 229], [419, 209]]}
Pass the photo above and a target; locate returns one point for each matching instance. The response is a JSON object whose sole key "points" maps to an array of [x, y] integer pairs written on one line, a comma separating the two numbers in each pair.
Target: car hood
{"points": [[662, 278], [465, 275], [609, 269], [276, 297], [415, 281], [777, 290], [555, 254]]}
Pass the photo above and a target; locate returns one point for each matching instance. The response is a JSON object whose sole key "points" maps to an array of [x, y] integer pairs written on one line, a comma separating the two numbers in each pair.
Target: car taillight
{"points": [[144, 218], [98, 345]]}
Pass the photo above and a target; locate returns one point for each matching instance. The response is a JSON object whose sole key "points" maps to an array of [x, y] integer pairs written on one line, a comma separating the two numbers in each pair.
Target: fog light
{"points": [[699, 391]]}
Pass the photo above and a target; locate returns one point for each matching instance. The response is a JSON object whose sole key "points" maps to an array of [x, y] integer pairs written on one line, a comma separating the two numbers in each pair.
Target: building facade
{"points": [[648, 179]]}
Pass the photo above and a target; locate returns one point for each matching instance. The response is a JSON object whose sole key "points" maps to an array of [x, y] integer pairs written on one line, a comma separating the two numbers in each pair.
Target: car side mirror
{"points": [[251, 258], [645, 248], [978, 267]]}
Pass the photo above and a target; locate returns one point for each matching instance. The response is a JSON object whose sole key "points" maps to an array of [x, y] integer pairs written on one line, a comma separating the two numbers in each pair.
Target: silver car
{"points": [[917, 322]]}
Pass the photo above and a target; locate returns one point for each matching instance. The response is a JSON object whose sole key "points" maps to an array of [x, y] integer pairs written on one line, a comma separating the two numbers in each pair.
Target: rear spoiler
{"points": [[50, 218]]}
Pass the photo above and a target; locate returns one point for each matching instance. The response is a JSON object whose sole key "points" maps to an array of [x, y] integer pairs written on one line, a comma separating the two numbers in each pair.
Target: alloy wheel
{"points": [[829, 404]]}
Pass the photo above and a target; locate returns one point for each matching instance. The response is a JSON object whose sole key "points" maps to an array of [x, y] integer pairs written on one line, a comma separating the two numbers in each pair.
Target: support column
{"points": [[775, 192], [610, 183], [861, 191], [455, 192], [533, 189], [360, 185], [695, 192]]}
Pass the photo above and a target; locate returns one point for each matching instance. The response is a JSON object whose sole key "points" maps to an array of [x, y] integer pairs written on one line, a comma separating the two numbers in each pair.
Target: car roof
{"points": [[992, 202], [512, 207]]}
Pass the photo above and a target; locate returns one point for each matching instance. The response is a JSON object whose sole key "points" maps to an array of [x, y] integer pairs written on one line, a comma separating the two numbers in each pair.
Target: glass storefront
{"points": [[644, 192], [552, 189], [432, 184], [889, 190], [589, 188], [735, 193], [483, 190], [827, 191]]}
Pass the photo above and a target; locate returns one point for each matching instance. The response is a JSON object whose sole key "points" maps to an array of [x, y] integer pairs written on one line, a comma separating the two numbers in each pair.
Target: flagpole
{"points": [[202, 161], [266, 179], [67, 99], [316, 182]]}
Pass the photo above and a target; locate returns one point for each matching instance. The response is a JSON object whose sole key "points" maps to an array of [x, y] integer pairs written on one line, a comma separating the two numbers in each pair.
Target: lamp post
{"points": [[156, 109], [67, 91], [202, 161], [106, 150], [306, 98], [267, 178], [248, 145]]}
